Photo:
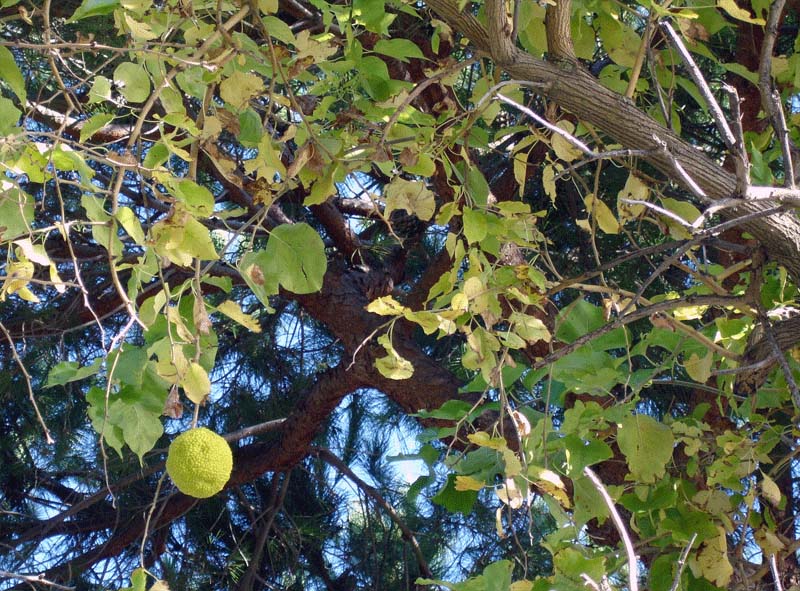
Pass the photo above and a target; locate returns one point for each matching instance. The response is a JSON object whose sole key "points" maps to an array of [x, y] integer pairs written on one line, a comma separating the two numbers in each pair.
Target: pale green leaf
{"points": [[16, 211], [10, 72], [133, 82], [739, 13], [100, 90], [412, 196], [239, 88], [130, 222], [9, 117], [699, 368], [297, 257], [393, 365], [195, 383], [647, 446]]}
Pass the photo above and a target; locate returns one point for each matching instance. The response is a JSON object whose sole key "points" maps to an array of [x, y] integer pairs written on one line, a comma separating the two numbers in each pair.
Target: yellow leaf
{"points": [[770, 491], [549, 182], [521, 586], [393, 365], [233, 311], [712, 560], [464, 483], [768, 541], [689, 312], [564, 149], [386, 306], [510, 494], [483, 439], [602, 214], [699, 369], [738, 13], [634, 190], [195, 383]]}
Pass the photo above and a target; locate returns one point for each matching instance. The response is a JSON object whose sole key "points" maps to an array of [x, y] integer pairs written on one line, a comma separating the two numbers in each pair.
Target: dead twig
{"points": [[633, 560]]}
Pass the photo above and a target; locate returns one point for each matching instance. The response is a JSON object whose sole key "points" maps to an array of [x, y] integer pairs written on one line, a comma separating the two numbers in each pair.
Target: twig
{"points": [[34, 579], [776, 576], [542, 121], [702, 85], [633, 561], [265, 427], [665, 212], [769, 333], [680, 170], [770, 99], [48, 438], [622, 153], [326, 456], [741, 160], [682, 563]]}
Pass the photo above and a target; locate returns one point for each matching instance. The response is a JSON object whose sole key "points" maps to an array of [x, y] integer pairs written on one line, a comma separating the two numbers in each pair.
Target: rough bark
{"points": [[577, 91]]}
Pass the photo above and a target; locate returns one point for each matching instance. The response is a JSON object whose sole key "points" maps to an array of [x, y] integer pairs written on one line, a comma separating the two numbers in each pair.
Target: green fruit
{"points": [[199, 462]]}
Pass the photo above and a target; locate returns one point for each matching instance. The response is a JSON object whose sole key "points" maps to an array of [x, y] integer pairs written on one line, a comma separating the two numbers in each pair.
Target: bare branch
{"points": [[682, 563], [27, 376], [633, 561], [329, 458], [37, 579], [702, 85], [770, 99]]}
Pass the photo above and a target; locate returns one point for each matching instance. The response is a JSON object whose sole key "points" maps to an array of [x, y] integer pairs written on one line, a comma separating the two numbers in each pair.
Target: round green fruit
{"points": [[199, 462]]}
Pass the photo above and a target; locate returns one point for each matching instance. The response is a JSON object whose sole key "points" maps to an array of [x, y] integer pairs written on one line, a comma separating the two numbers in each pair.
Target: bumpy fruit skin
{"points": [[199, 462]]}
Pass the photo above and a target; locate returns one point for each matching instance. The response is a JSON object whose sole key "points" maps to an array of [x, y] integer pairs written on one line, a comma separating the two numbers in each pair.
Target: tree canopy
{"points": [[491, 295]]}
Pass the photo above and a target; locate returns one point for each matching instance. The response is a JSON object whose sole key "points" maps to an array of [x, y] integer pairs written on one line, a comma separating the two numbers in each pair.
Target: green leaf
{"points": [[91, 8], [581, 453], [647, 446], [582, 317], [453, 500], [95, 123], [133, 82], [278, 29], [100, 90], [452, 410], [198, 200], [296, 255], [475, 225], [130, 222], [71, 371], [129, 366], [16, 212], [399, 49], [10, 72], [9, 117], [140, 427]]}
